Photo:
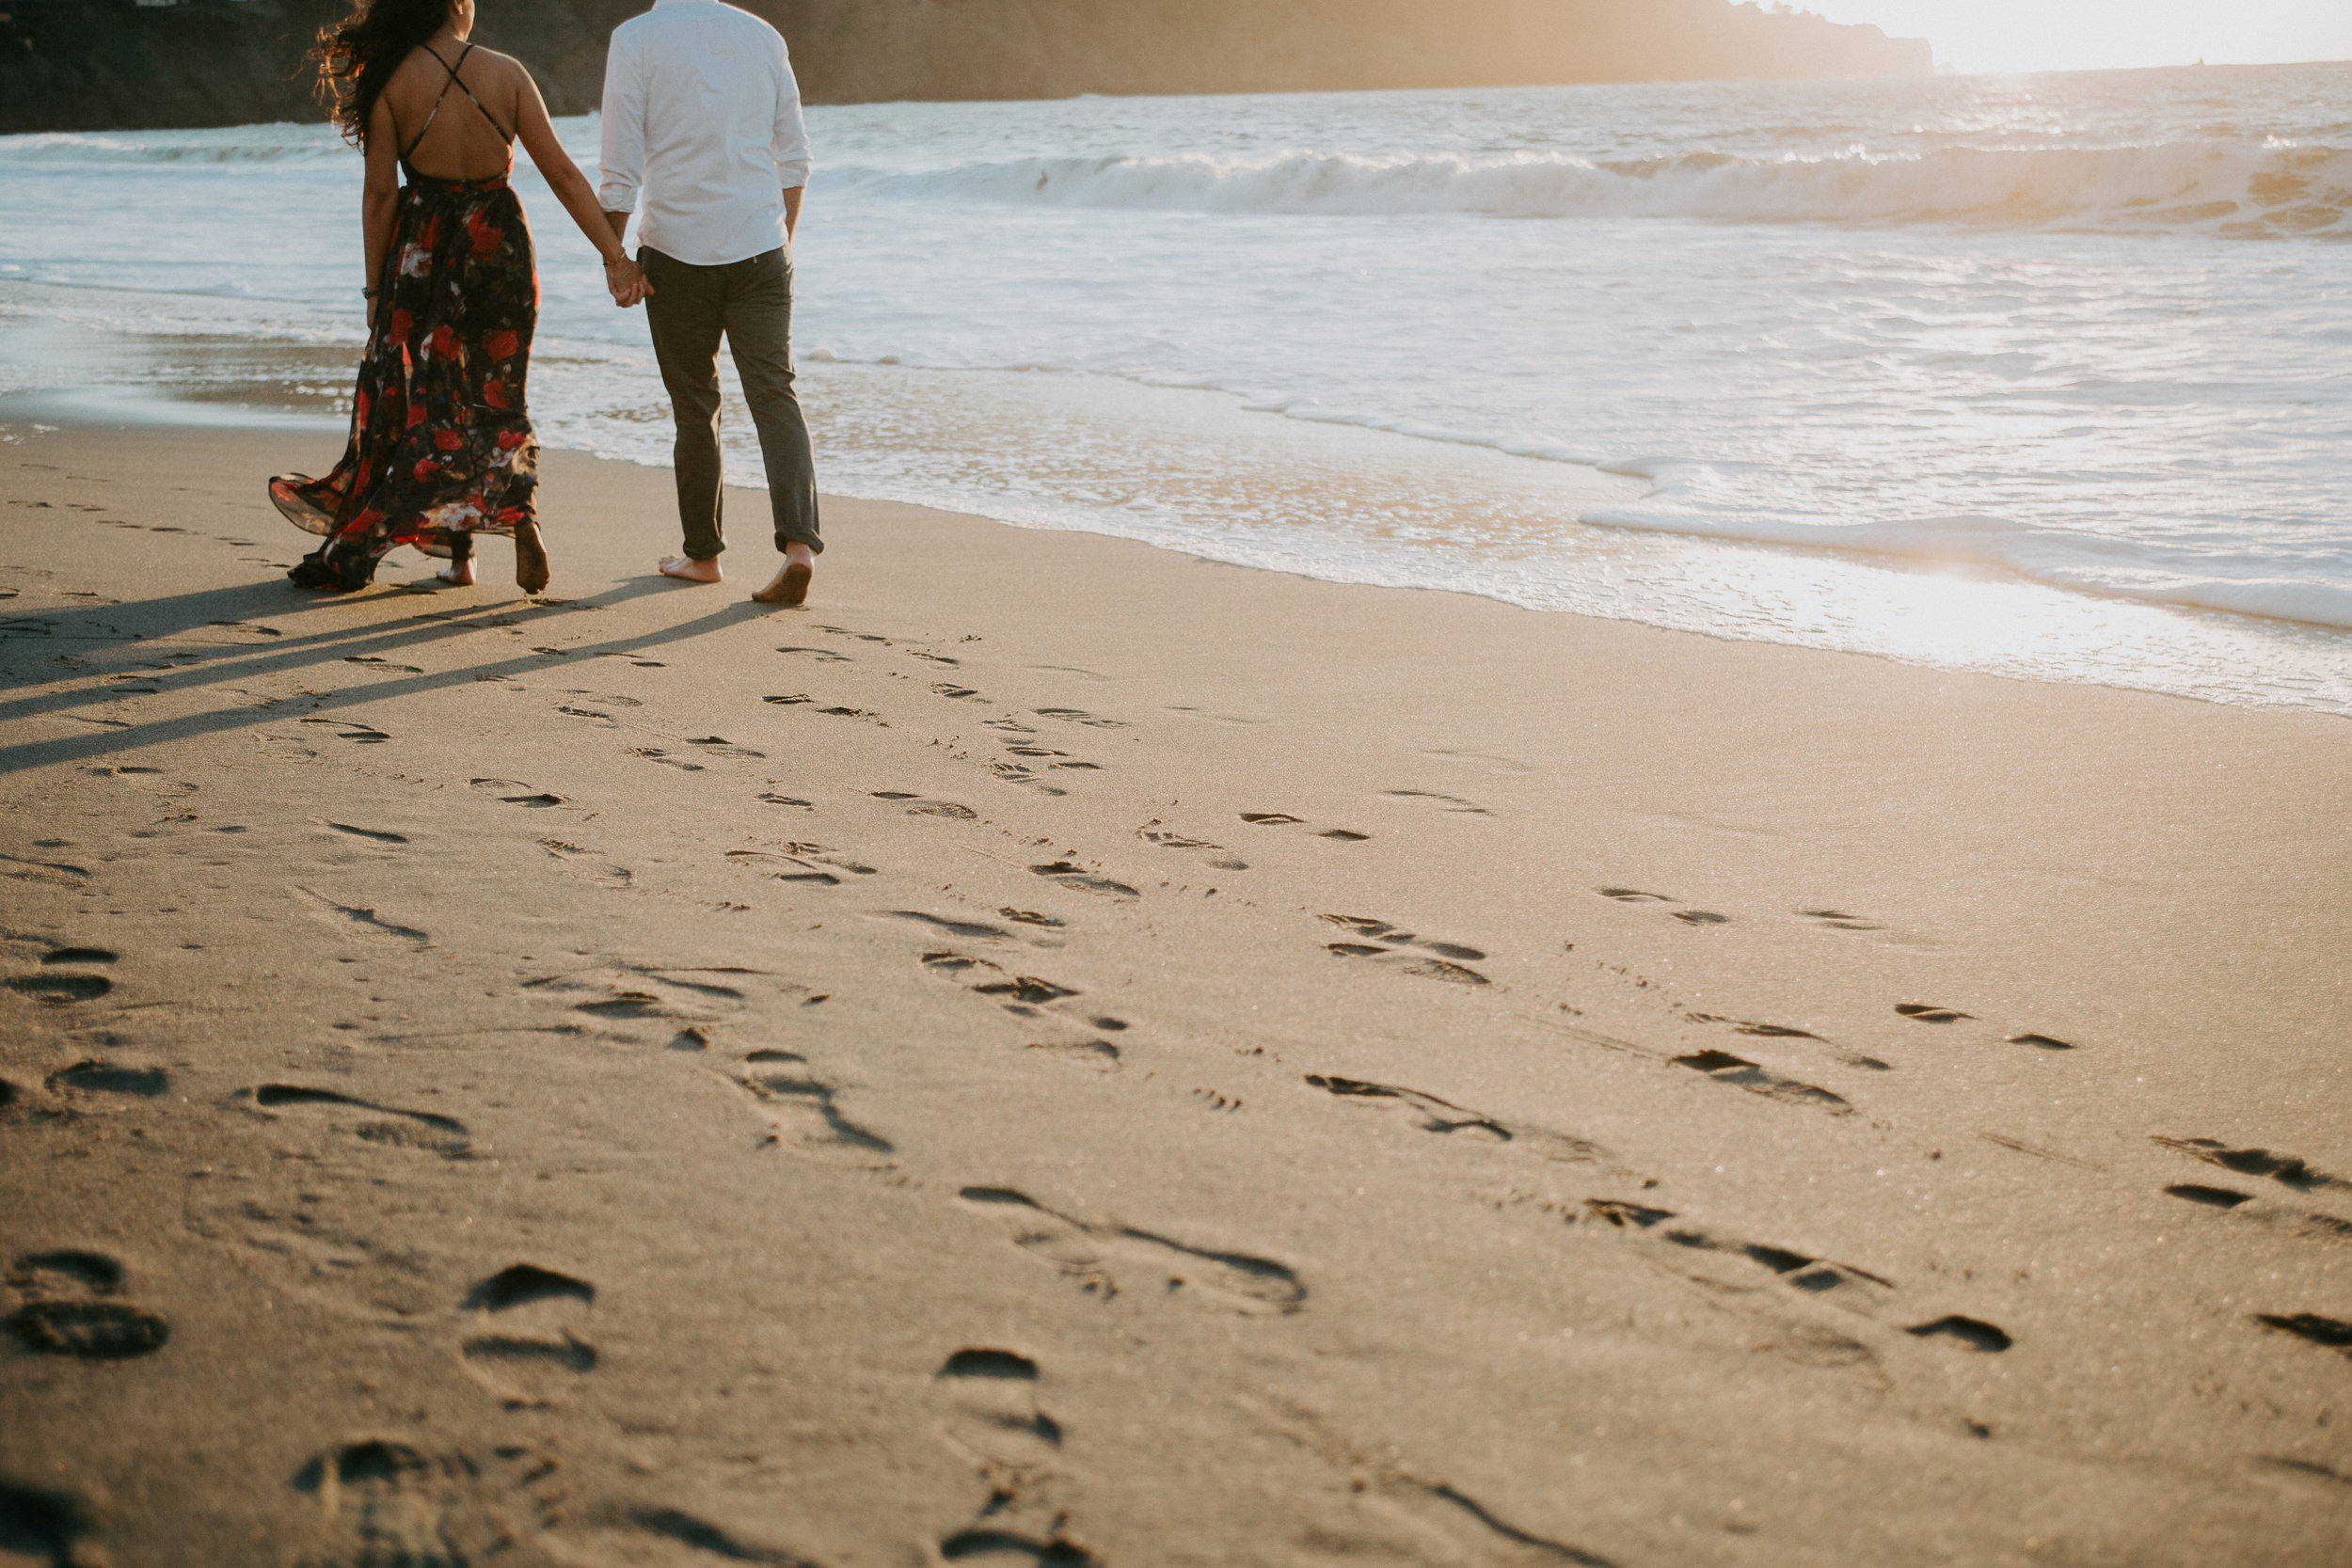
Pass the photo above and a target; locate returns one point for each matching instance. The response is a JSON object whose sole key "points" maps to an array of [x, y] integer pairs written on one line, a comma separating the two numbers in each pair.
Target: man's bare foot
{"points": [[790, 585], [530, 557], [689, 569], [457, 574]]}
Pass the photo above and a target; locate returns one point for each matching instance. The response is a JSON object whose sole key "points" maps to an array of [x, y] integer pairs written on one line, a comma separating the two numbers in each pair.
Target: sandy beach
{"points": [[1063, 1052]]}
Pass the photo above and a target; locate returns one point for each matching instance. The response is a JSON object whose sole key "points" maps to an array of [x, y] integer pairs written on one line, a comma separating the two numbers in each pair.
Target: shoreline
{"points": [[1067, 1051], [1914, 610]]}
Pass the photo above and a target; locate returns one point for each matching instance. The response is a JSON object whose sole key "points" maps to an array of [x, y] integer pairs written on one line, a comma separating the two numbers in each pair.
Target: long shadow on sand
{"points": [[132, 625]]}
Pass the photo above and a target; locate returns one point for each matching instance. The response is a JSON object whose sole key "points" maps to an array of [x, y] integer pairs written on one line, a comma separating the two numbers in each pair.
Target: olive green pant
{"points": [[749, 303]]}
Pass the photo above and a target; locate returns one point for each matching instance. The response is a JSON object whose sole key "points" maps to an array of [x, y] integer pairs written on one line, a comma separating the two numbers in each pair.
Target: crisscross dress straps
{"points": [[459, 83]]}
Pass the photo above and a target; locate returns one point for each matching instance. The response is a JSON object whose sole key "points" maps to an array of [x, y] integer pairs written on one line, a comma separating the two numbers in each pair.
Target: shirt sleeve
{"points": [[790, 145], [622, 161]]}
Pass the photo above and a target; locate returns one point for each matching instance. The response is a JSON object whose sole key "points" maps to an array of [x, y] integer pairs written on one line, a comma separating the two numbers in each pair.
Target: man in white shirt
{"points": [[702, 120]]}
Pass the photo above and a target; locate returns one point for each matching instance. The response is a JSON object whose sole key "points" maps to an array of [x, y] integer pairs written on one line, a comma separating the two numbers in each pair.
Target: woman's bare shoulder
{"points": [[508, 67]]}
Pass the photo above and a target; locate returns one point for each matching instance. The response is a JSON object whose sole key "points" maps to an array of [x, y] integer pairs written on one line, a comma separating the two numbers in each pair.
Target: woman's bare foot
{"points": [[790, 585], [457, 574], [530, 557], [689, 569]]}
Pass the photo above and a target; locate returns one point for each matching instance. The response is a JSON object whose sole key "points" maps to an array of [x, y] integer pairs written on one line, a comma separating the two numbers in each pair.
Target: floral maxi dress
{"points": [[441, 445]]}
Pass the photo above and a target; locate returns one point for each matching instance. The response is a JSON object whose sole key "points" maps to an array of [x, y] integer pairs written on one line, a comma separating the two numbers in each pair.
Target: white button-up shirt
{"points": [[702, 116]]}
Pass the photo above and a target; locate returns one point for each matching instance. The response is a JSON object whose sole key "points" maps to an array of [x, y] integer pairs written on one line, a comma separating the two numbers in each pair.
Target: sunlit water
{"points": [[2041, 375]]}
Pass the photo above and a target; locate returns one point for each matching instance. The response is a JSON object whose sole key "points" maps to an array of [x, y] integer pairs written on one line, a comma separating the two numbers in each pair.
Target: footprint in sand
{"points": [[1218, 857], [371, 835], [918, 806], [516, 794], [1725, 1067], [381, 1503], [584, 863], [1972, 1332], [1022, 994], [975, 930], [655, 754], [60, 990], [618, 996], [365, 925], [72, 1307], [1070, 874], [1026, 777], [1284, 820], [1080, 716], [1433, 1115], [1790, 1032], [720, 746], [991, 1410], [801, 1115], [525, 1351], [1689, 917], [1927, 1012], [1839, 920], [1094, 1055], [1388, 952], [1453, 803], [385, 1126], [44, 1525], [1105, 1258], [802, 863], [47, 873], [350, 730], [111, 1077], [2286, 1169], [1045, 755]]}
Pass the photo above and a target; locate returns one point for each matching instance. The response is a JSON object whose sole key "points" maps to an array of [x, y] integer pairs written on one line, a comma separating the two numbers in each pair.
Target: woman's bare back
{"points": [[459, 141]]}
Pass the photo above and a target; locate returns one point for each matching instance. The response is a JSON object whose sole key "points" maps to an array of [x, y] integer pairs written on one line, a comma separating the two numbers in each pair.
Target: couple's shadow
{"points": [[254, 645]]}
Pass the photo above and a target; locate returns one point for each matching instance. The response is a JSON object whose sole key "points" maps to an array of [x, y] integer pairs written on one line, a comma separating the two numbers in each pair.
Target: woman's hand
{"points": [[627, 280]]}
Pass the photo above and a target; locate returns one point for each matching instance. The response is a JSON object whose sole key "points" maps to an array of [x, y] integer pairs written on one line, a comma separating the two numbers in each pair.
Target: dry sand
{"points": [[1060, 1052]]}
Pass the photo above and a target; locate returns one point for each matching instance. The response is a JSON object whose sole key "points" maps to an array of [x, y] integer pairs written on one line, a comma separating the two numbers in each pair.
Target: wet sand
{"points": [[1062, 1052]]}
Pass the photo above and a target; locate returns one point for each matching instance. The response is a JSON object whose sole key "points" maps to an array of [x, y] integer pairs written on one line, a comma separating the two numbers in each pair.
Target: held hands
{"points": [[627, 282]]}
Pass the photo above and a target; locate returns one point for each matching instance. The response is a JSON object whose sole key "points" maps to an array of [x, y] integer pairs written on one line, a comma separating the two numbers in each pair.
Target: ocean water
{"points": [[2043, 375]]}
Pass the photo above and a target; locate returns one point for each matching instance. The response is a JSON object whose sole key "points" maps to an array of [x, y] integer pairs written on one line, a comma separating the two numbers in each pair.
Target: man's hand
{"points": [[627, 282], [624, 278]]}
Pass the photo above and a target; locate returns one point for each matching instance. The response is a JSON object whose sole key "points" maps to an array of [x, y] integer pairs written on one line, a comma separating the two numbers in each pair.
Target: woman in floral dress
{"points": [[441, 445]]}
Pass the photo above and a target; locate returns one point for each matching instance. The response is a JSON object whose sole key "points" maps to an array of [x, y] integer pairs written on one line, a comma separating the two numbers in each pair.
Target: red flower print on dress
{"points": [[424, 470], [444, 340], [494, 393], [500, 344], [416, 416], [486, 236], [510, 439], [398, 334], [448, 440]]}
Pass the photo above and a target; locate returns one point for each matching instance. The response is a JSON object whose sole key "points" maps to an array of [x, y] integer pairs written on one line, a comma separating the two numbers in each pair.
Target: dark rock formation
{"points": [[127, 64]]}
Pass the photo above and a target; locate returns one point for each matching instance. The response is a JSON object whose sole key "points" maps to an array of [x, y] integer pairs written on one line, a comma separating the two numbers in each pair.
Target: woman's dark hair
{"points": [[357, 56]]}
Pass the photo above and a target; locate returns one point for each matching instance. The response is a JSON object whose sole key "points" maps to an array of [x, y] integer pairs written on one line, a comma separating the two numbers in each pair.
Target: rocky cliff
{"points": [[124, 64]]}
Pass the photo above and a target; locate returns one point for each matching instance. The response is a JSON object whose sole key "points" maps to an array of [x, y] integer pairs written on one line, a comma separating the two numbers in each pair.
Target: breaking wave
{"points": [[2237, 189]]}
